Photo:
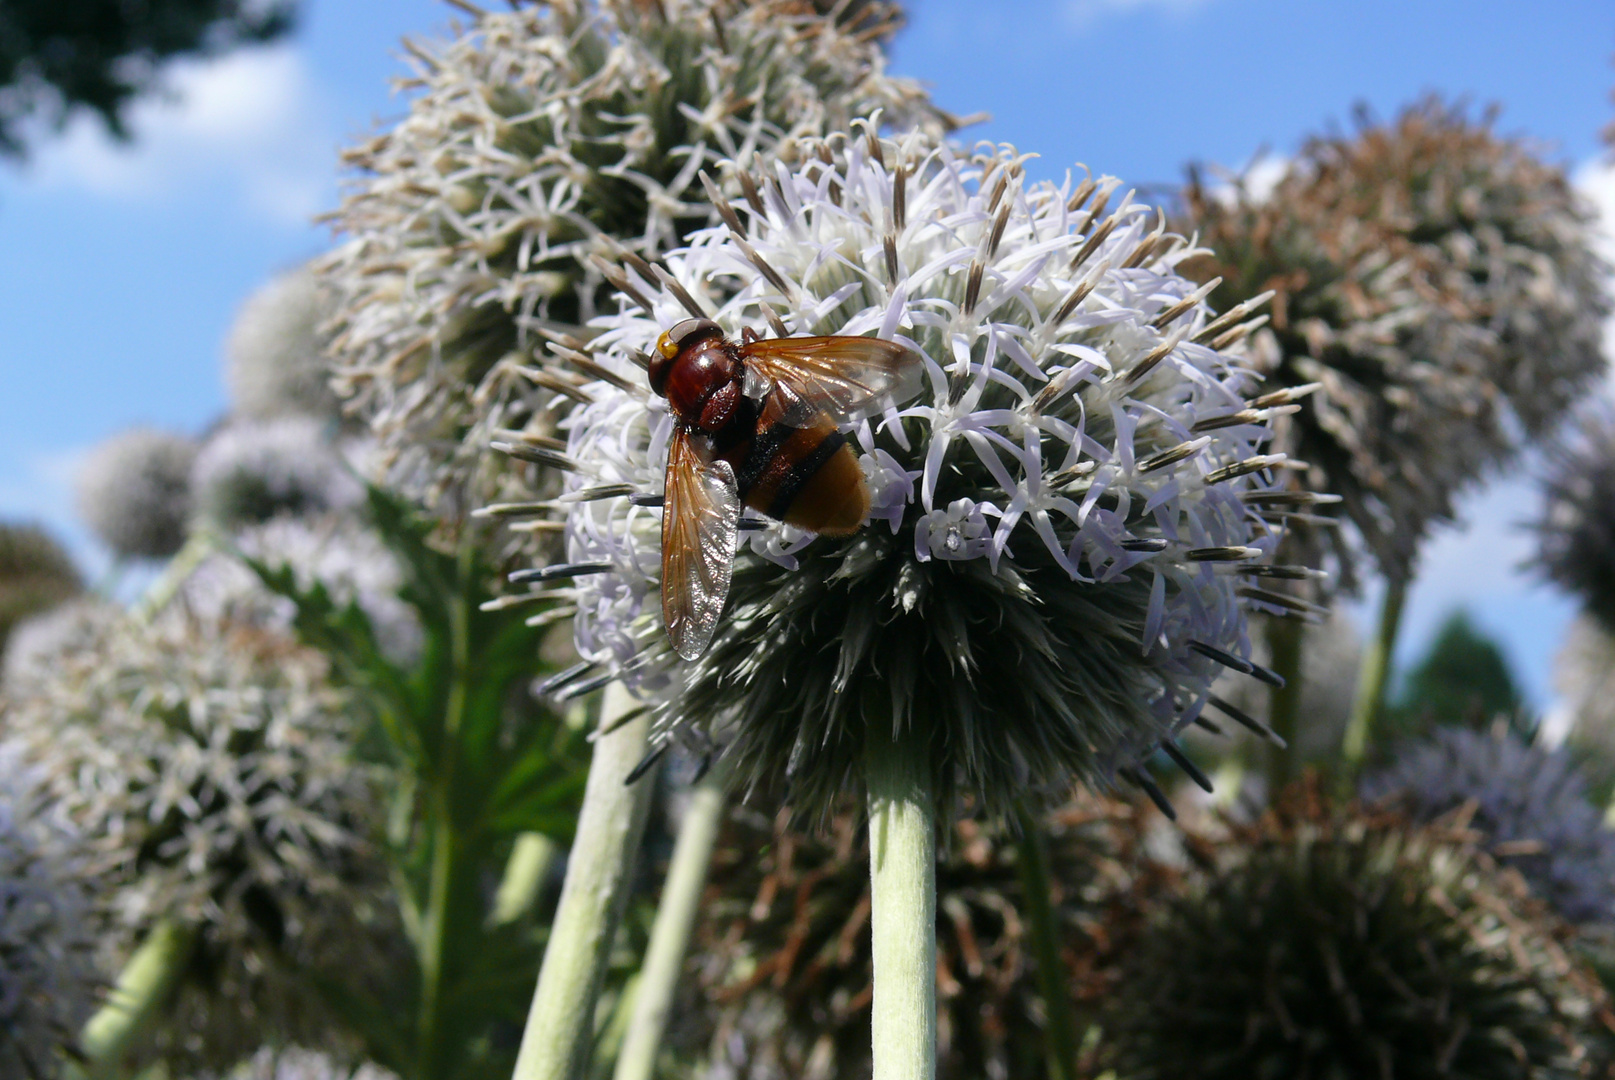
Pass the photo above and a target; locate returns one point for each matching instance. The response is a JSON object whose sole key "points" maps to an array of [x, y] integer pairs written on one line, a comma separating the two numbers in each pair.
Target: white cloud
{"points": [[1083, 13], [1260, 176], [249, 122], [1595, 179]]}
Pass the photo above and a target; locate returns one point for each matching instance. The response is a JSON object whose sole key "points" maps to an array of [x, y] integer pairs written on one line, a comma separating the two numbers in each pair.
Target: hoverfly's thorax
{"points": [[703, 384]]}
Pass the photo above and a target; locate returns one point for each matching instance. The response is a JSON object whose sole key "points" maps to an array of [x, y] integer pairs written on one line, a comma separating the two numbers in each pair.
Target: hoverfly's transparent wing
{"points": [[847, 377], [700, 515]]}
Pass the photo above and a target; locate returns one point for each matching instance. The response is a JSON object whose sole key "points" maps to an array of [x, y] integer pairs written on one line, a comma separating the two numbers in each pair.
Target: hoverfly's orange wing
{"points": [[847, 377], [700, 519]]}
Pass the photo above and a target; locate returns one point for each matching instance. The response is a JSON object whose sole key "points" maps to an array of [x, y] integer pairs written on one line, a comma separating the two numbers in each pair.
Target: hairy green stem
{"points": [[560, 1026], [1285, 641], [201, 543], [1368, 706], [902, 918], [675, 919], [1038, 909], [531, 857], [144, 986]]}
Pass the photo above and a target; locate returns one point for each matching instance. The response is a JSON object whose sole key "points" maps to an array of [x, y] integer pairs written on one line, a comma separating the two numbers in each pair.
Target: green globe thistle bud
{"points": [[541, 141], [1067, 525], [275, 362], [1440, 282], [207, 764], [35, 575], [1320, 942], [780, 971], [134, 492]]}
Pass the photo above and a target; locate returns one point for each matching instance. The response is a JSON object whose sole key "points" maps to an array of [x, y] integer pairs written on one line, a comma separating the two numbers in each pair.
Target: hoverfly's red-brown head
{"points": [[673, 342]]}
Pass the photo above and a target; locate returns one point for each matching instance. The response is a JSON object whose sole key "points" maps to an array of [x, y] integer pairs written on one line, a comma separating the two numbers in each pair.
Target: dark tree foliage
{"points": [[60, 56], [1463, 679], [36, 574]]}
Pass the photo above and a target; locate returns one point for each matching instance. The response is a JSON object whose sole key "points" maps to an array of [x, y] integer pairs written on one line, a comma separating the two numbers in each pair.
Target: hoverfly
{"points": [[755, 425]]}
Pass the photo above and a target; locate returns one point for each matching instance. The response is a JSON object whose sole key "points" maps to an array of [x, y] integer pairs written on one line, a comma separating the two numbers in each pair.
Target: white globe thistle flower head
{"points": [[49, 929], [208, 765], [541, 140], [250, 472], [275, 363], [297, 1063], [1067, 525], [350, 561], [36, 640], [134, 492]]}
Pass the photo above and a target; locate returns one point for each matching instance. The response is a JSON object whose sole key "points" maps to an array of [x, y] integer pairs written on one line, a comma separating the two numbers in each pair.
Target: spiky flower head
{"points": [[35, 575], [542, 140], [248, 473], [275, 363], [134, 492], [1321, 942], [780, 971], [49, 930], [1067, 524], [36, 640], [1529, 802], [296, 1063], [1438, 280], [349, 561], [1576, 532], [207, 763]]}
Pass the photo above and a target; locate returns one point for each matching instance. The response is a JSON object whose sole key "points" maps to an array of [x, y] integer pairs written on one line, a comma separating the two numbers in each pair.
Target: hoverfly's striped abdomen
{"points": [[805, 476]]}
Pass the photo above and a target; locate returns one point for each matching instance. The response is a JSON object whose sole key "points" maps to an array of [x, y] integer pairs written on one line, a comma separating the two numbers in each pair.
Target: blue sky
{"points": [[121, 267]]}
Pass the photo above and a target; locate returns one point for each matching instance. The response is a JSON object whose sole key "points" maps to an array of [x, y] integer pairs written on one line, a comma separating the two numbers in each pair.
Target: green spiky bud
{"points": [[1322, 943]]}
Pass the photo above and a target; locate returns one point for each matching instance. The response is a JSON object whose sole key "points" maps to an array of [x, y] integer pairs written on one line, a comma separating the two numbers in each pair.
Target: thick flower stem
{"points": [[1369, 704], [144, 985], [675, 919], [902, 880], [560, 1025], [202, 543], [1285, 641], [1038, 910]]}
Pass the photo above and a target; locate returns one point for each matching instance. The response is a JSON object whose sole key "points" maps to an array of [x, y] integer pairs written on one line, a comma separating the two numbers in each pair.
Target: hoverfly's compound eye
{"points": [[682, 333], [672, 342]]}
